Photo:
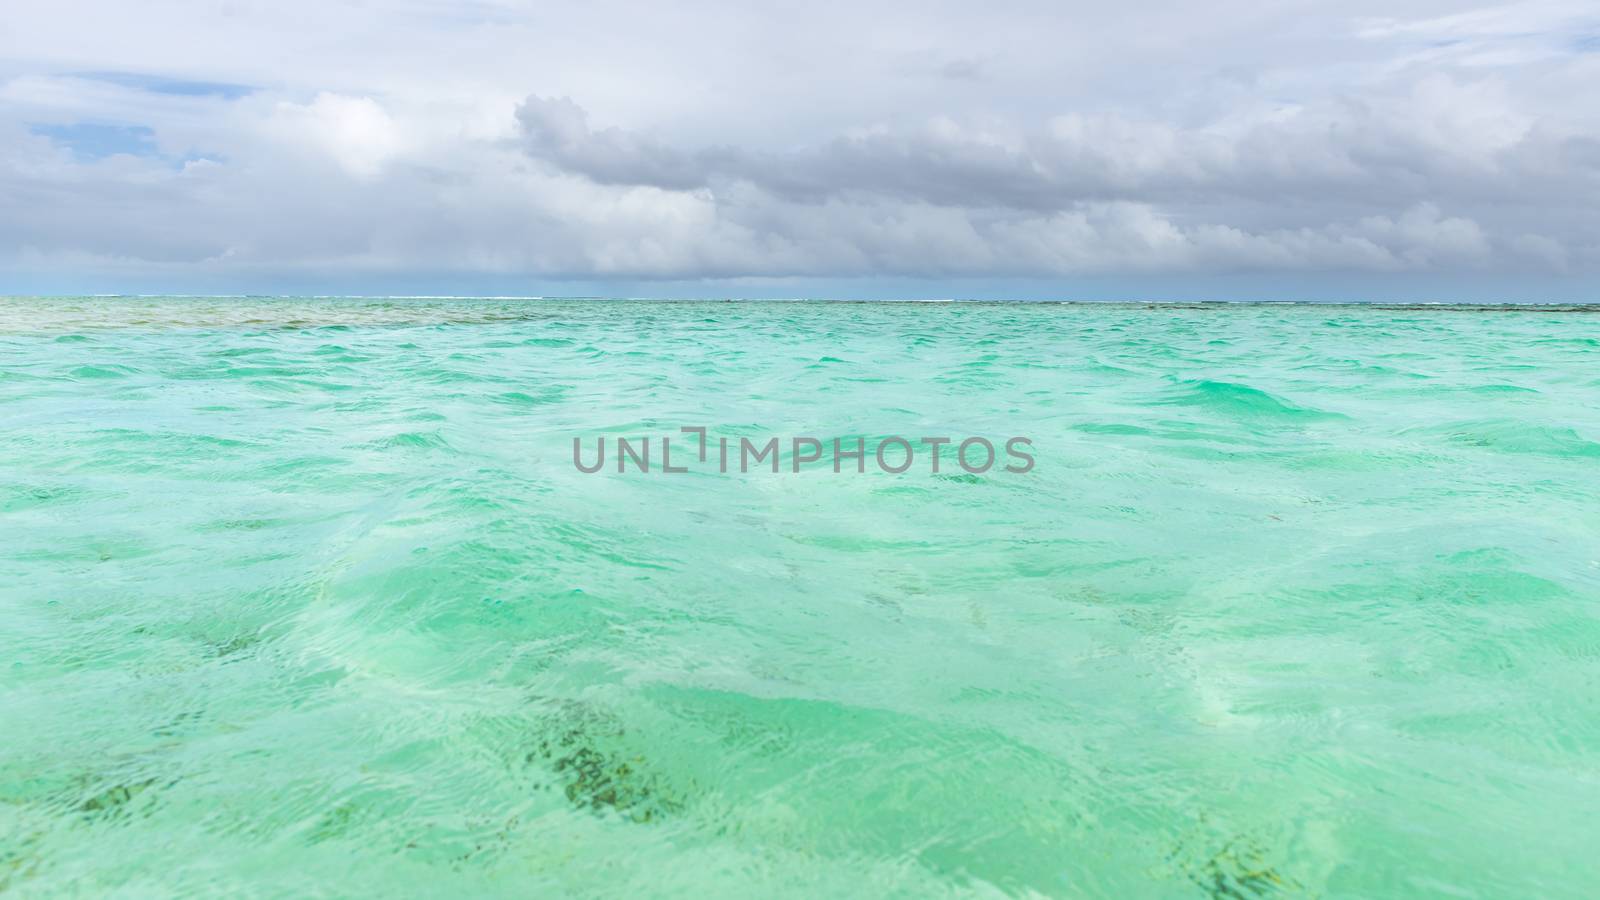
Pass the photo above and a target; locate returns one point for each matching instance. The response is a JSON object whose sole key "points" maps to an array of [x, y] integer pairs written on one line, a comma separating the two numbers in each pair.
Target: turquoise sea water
{"points": [[305, 597]]}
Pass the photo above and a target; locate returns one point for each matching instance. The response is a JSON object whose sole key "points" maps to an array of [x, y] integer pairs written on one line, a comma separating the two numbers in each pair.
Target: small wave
{"points": [[1239, 400], [413, 440], [101, 372], [1519, 437]]}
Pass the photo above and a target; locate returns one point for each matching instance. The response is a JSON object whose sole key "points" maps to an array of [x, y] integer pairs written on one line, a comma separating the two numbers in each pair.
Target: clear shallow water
{"points": [[307, 597]]}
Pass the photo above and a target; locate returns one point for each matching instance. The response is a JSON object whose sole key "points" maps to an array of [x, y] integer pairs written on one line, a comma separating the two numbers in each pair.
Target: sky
{"points": [[1301, 149]]}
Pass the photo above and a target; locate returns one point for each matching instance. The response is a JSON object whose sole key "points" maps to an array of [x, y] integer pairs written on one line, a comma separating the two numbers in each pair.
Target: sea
{"points": [[315, 597]]}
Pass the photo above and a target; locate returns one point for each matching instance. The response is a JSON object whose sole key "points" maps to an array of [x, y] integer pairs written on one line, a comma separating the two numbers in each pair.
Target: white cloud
{"points": [[355, 132]]}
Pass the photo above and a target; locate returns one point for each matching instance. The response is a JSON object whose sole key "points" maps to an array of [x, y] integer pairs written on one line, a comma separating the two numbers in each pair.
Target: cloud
{"points": [[1438, 135], [557, 129], [355, 132], [1021, 142]]}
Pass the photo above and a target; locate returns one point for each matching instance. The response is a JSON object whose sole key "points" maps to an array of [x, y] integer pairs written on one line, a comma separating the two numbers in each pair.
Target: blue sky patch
{"points": [[174, 87], [90, 140]]}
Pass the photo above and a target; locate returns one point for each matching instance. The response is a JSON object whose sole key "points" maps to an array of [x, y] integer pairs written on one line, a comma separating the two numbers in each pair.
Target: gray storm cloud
{"points": [[1432, 142]]}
